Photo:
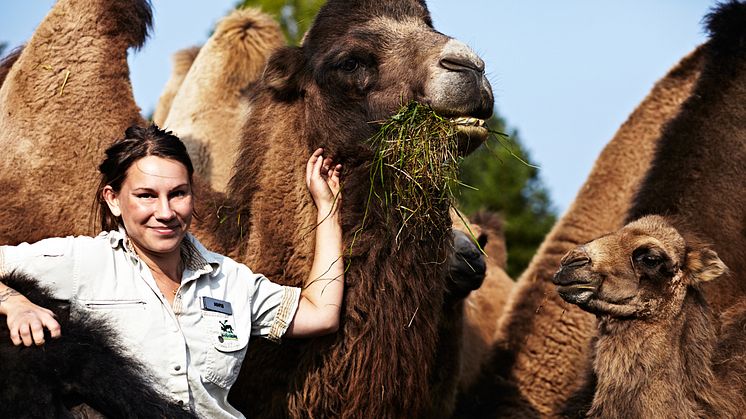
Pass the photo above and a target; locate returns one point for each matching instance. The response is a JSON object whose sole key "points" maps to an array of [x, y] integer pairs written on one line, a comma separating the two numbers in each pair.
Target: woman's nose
{"points": [[163, 210]]}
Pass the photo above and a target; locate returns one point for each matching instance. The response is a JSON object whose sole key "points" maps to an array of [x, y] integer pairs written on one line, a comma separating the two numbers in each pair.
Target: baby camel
{"points": [[660, 351]]}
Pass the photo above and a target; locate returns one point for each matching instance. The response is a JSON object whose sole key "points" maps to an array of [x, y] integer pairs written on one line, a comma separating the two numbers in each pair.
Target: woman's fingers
{"points": [[311, 165]]}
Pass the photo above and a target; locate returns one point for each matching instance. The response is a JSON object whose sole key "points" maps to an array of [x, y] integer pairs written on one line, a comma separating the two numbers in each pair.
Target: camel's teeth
{"points": [[468, 121]]}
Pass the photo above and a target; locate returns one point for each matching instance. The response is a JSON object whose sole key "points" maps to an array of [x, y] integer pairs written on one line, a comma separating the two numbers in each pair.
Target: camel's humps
{"points": [[64, 100], [205, 112], [82, 367], [181, 61], [699, 170], [659, 351], [541, 353]]}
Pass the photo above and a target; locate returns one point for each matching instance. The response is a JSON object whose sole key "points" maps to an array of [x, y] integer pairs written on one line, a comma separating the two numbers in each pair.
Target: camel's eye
{"points": [[651, 261], [349, 65]]}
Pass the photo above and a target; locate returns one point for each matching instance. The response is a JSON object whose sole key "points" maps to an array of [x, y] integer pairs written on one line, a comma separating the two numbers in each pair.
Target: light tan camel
{"points": [[65, 98], [181, 61], [540, 356], [659, 350], [205, 112]]}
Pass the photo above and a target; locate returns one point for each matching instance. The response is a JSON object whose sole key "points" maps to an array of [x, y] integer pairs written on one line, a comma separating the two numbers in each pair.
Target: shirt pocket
{"points": [[225, 348], [98, 305], [128, 317]]}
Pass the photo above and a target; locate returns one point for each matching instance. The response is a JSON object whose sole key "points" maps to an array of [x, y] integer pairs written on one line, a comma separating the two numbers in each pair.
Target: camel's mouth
{"points": [[471, 132], [579, 294]]}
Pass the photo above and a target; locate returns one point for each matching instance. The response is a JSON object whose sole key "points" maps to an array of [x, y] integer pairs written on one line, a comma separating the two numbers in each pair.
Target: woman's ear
{"points": [[112, 200]]}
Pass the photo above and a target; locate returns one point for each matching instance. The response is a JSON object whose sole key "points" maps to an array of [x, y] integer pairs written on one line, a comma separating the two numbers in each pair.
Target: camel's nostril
{"points": [[577, 262], [461, 63]]}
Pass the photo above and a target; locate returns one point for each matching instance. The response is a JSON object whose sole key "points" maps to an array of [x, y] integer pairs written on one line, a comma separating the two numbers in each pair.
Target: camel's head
{"points": [[362, 60], [641, 270]]}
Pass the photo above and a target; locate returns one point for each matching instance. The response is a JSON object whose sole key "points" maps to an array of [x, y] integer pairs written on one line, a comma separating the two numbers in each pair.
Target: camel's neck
{"points": [[648, 367]]}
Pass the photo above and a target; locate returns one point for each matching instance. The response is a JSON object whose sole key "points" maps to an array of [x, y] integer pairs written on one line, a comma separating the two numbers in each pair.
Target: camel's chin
{"points": [[471, 132]]}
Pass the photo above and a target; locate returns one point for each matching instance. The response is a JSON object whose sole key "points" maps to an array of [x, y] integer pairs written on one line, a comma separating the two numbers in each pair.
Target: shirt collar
{"points": [[207, 262]]}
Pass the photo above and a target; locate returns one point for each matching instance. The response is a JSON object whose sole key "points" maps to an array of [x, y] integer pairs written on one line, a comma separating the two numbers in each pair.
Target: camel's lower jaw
{"points": [[471, 132]]}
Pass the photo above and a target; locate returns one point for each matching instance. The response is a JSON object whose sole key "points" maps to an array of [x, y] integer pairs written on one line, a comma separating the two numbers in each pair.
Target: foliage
{"points": [[500, 178], [415, 168], [3, 45], [295, 16]]}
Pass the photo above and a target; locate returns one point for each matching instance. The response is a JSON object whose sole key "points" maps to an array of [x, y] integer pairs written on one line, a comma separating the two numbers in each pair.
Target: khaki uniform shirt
{"points": [[195, 348]]}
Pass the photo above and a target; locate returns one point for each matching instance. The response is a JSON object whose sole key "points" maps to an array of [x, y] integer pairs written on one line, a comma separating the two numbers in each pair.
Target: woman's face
{"points": [[155, 204]]}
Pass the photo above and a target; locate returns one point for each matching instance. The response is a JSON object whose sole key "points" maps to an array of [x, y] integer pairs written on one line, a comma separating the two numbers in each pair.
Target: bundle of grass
{"points": [[415, 170]]}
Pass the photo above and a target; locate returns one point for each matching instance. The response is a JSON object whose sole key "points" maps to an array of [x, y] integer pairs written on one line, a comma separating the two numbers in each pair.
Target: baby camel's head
{"points": [[640, 270]]}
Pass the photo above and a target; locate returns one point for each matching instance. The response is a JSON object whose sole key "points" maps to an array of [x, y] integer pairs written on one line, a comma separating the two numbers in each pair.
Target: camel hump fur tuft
{"points": [[7, 62], [181, 61], [659, 349], [58, 116], [206, 112]]}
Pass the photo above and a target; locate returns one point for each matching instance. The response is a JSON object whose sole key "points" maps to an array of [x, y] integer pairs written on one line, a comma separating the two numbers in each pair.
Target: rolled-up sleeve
{"points": [[50, 261], [272, 308]]}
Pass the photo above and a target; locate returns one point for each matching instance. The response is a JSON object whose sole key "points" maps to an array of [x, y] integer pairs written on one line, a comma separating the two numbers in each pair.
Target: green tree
{"points": [[499, 177], [295, 16]]}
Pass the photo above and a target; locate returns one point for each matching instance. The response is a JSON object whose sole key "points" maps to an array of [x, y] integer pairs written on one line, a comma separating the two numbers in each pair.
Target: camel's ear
{"points": [[704, 265], [284, 72], [112, 201]]}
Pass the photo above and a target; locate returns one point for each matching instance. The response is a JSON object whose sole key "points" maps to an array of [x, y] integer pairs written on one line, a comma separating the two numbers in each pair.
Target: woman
{"points": [[185, 311]]}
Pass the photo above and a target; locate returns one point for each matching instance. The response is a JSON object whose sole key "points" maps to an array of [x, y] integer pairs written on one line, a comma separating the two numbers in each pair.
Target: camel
{"points": [[538, 362], [181, 62], [659, 350], [347, 73], [540, 359], [83, 366], [65, 98], [395, 306], [483, 306], [205, 112]]}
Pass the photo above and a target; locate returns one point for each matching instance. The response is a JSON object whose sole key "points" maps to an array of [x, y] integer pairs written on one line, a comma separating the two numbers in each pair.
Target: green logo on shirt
{"points": [[227, 332]]}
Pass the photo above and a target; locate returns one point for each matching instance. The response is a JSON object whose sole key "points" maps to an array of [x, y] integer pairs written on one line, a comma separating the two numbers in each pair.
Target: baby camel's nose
{"points": [[575, 258]]}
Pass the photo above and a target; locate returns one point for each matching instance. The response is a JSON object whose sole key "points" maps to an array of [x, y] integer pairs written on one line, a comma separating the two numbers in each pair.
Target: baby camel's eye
{"points": [[649, 260], [349, 65]]}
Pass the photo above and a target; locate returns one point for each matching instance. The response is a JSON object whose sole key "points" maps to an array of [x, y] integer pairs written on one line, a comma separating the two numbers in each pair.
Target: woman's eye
{"points": [[145, 195], [349, 65]]}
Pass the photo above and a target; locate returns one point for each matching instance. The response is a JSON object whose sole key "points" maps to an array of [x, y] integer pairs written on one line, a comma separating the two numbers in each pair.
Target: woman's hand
{"points": [[26, 320], [322, 180]]}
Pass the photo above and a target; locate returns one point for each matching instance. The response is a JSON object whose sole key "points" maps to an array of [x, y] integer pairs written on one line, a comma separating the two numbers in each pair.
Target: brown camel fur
{"points": [[181, 61], [541, 353], [205, 113], [67, 95], [483, 306], [699, 171], [659, 351], [359, 63]]}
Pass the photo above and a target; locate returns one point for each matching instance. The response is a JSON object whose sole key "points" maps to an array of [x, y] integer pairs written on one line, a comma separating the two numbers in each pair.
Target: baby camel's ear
{"points": [[704, 265]]}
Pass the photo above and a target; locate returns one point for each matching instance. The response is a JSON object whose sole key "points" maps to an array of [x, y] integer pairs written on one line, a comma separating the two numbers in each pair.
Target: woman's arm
{"points": [[321, 298], [26, 320]]}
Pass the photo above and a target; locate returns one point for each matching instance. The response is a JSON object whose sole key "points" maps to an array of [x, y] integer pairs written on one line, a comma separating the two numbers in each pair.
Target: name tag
{"points": [[213, 304]]}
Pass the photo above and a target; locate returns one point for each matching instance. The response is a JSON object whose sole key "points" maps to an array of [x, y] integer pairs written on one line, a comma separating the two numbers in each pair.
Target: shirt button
{"points": [[177, 367]]}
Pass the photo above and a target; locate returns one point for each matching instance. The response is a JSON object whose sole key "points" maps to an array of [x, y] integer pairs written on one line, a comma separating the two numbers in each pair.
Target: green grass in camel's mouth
{"points": [[415, 168]]}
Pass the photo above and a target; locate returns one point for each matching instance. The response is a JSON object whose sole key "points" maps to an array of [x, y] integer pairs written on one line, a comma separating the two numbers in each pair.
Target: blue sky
{"points": [[565, 74]]}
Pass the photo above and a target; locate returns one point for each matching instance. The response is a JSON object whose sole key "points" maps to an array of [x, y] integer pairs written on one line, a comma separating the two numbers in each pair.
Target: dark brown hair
{"points": [[138, 142]]}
